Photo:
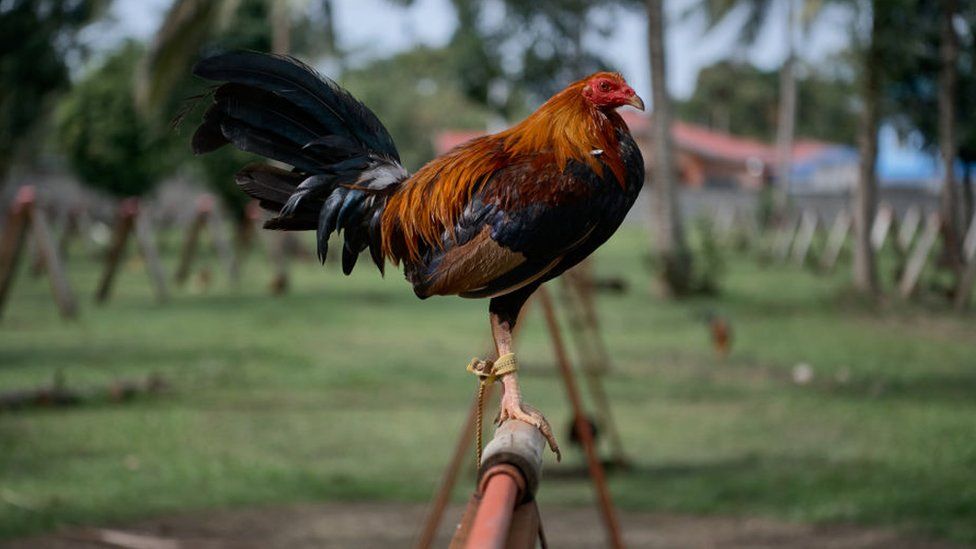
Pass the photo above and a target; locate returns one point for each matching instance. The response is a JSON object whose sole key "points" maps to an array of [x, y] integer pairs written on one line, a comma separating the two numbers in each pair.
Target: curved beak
{"points": [[636, 102]]}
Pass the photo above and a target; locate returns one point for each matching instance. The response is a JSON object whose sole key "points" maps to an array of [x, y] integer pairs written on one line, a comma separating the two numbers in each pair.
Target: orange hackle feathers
{"points": [[567, 127]]}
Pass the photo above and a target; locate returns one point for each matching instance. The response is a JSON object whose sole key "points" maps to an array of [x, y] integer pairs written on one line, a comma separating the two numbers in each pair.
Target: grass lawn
{"points": [[352, 389]]}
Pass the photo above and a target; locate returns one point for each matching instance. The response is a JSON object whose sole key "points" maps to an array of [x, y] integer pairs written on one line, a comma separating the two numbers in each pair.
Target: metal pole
{"points": [[503, 507], [494, 516], [582, 426]]}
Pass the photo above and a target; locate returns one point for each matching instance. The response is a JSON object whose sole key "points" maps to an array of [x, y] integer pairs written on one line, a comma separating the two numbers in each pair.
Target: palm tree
{"points": [[786, 118], [948, 144], [187, 27], [865, 198], [669, 236], [758, 14]]}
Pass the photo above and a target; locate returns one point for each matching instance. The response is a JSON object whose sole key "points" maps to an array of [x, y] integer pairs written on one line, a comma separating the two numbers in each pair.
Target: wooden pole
{"points": [[12, 240], [63, 296], [595, 352], [128, 209], [784, 240], [920, 254], [604, 502], [804, 237], [835, 240], [69, 230], [223, 246], [24, 213], [908, 227], [192, 239], [145, 239], [881, 226], [964, 290]]}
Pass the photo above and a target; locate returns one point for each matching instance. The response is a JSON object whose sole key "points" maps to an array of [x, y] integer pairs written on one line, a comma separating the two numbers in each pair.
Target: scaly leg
{"points": [[512, 406]]}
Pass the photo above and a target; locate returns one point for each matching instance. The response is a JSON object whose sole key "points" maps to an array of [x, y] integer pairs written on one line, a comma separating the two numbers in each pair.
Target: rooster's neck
{"points": [[569, 128]]}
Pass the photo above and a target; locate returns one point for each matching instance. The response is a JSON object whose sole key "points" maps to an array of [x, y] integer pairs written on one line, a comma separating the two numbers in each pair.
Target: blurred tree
{"points": [[250, 31], [672, 248], [878, 48], [428, 98], [865, 196], [35, 39], [190, 25], [739, 98], [529, 52], [936, 72], [107, 143], [253, 28], [798, 21]]}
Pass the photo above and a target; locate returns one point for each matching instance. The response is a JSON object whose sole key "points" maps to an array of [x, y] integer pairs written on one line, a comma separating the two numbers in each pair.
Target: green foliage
{"points": [[108, 144], [35, 38], [697, 271], [415, 94], [741, 99], [535, 51], [250, 31], [913, 71]]}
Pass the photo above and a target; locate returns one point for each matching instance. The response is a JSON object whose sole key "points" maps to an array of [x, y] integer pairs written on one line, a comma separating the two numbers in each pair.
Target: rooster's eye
{"points": [[604, 86]]}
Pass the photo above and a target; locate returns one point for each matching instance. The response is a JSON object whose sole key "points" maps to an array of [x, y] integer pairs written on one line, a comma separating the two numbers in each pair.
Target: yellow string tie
{"points": [[488, 372]]}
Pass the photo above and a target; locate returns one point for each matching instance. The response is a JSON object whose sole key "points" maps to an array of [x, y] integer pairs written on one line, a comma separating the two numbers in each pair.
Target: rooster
{"points": [[493, 218]]}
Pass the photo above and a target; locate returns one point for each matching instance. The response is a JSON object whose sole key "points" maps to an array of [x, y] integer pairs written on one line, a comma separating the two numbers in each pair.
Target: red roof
{"points": [[720, 145], [688, 137]]}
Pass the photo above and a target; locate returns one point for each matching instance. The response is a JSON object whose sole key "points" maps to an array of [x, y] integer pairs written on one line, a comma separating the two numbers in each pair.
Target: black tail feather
{"points": [[345, 163]]}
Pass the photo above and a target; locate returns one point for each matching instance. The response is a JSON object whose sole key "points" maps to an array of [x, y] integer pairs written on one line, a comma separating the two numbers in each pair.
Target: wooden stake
{"points": [[604, 502], [128, 209], [145, 238], [969, 244], [920, 255], [223, 246], [804, 237], [23, 214], [881, 226], [191, 240], [12, 242], [63, 295], [781, 247], [835, 240], [908, 227], [964, 290], [593, 356], [279, 261]]}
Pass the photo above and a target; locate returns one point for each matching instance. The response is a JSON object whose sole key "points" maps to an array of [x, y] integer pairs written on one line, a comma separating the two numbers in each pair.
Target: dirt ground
{"points": [[382, 525]]}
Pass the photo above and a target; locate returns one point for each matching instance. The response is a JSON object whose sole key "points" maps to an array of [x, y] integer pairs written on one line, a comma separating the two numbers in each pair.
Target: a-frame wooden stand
{"points": [[25, 214], [207, 216], [131, 219], [583, 429], [578, 289]]}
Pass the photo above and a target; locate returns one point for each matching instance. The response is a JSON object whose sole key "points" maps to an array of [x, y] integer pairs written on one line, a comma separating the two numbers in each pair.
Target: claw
{"points": [[528, 414]]}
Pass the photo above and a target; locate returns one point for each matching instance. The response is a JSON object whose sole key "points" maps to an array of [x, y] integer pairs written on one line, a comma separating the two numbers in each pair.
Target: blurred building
{"points": [[718, 169]]}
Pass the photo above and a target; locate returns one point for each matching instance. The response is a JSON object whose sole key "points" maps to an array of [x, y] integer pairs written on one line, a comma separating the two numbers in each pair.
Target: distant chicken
{"points": [[721, 332], [495, 217]]}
